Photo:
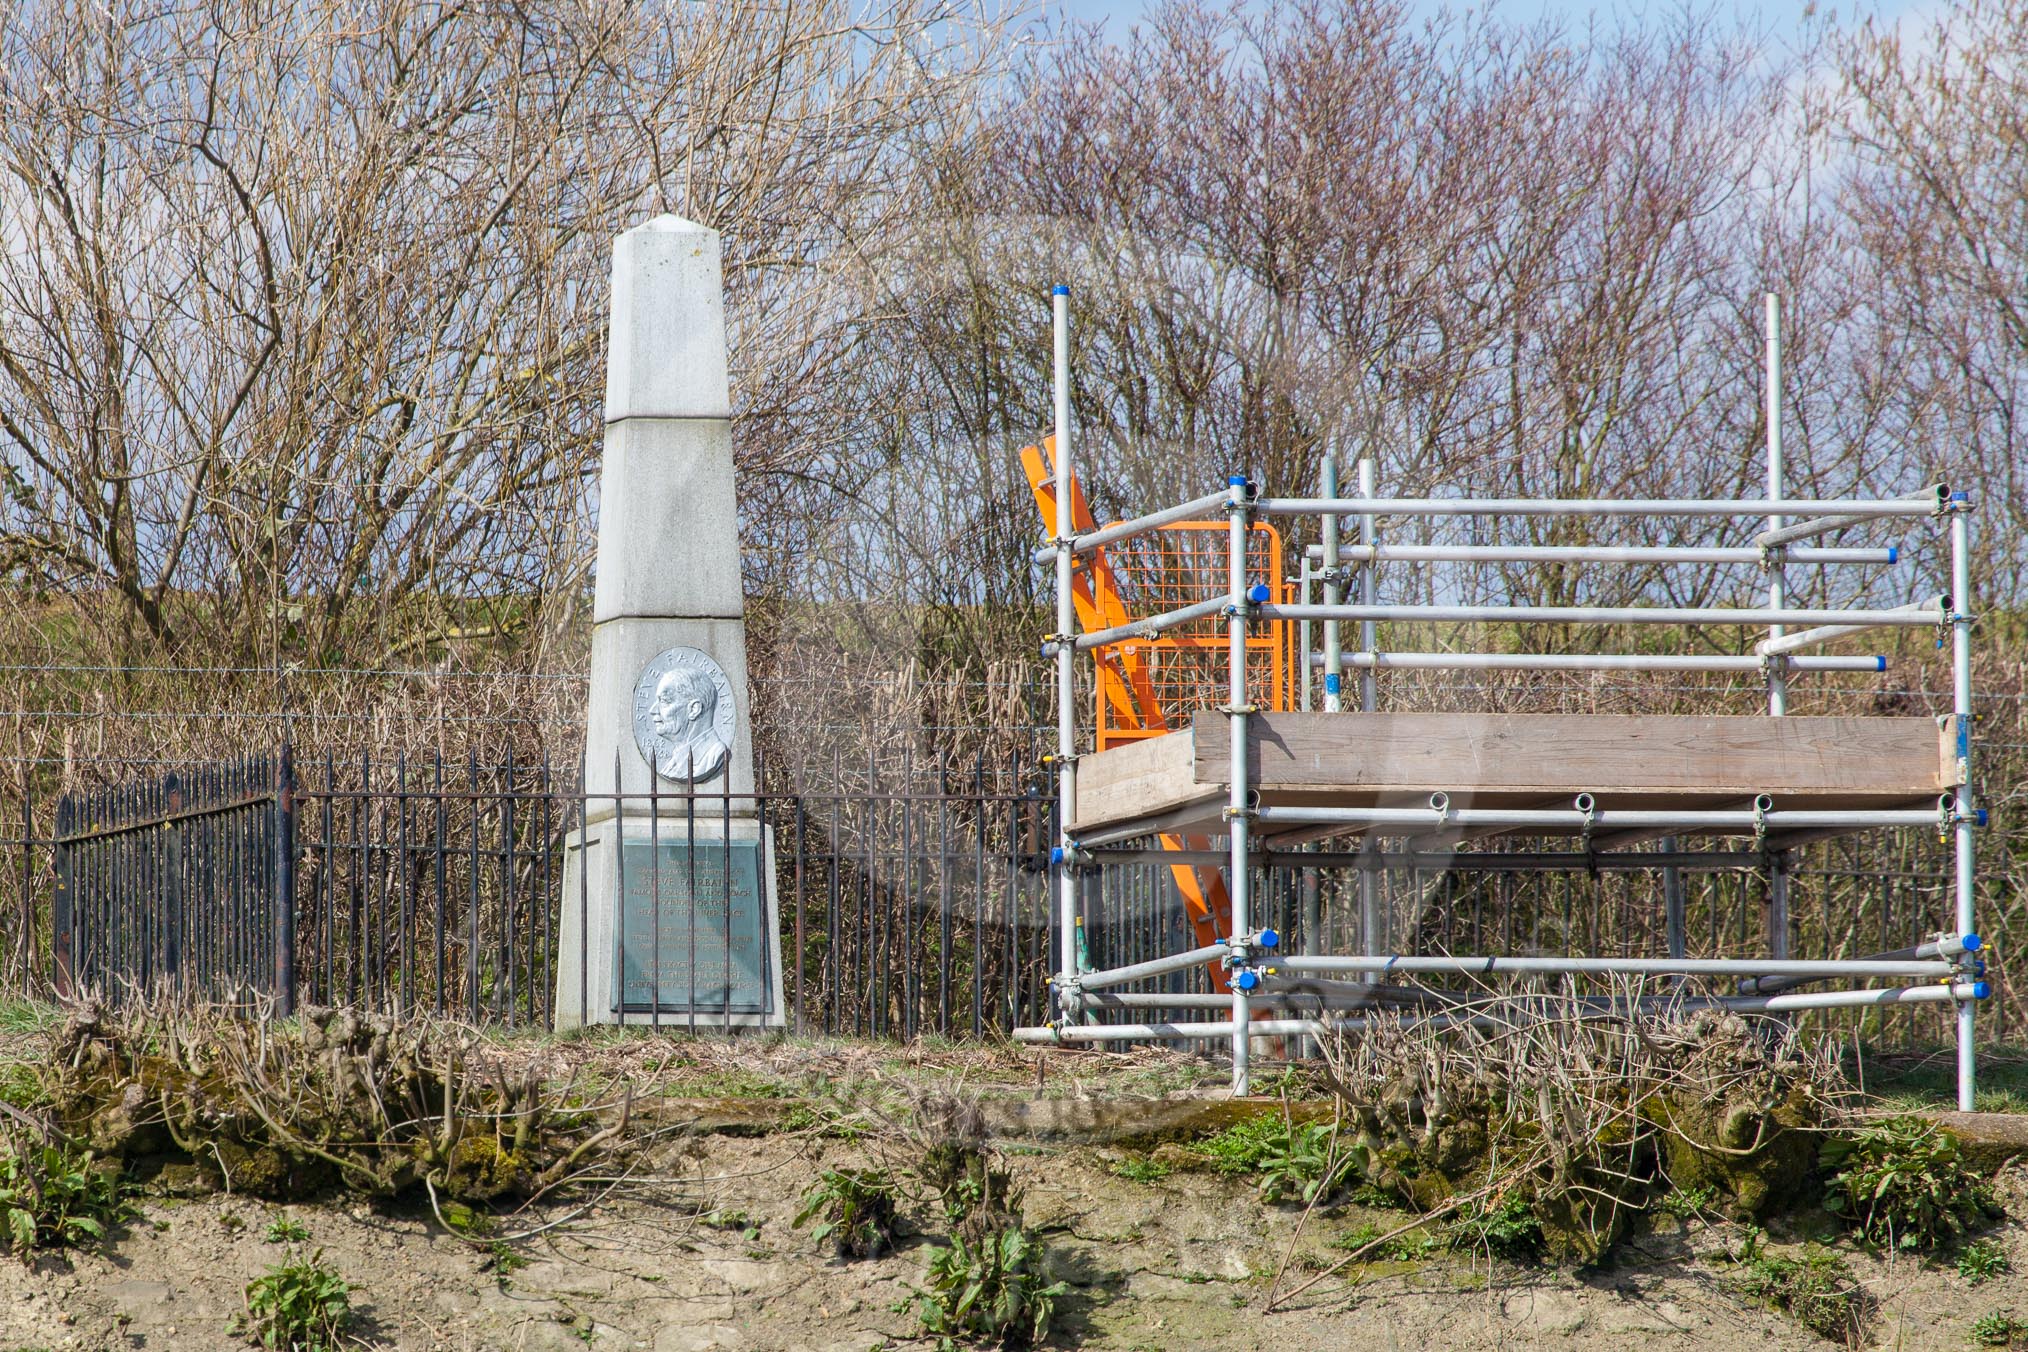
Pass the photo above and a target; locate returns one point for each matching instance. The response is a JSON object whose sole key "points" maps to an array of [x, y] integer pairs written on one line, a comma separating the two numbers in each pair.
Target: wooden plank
{"points": [[1137, 780], [1565, 754], [1513, 760]]}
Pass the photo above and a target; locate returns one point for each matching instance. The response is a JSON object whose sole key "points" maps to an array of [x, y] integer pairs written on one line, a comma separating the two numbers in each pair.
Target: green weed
{"points": [[298, 1305], [1289, 1161], [1982, 1260], [1141, 1170], [1508, 1228], [2000, 1329], [54, 1196], [855, 1211], [1688, 1203], [990, 1290], [1903, 1183], [283, 1230], [1815, 1288]]}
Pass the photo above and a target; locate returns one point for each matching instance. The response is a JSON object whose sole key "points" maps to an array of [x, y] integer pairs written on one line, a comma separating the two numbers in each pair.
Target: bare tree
{"points": [[301, 337]]}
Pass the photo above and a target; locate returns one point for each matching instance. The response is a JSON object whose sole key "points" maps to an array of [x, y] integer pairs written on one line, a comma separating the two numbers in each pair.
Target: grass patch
{"points": [[1919, 1081], [1141, 1170], [21, 1017]]}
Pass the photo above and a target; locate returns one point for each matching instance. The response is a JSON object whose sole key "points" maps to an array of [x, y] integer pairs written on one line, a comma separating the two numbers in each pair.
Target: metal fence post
{"points": [[62, 949], [284, 897]]}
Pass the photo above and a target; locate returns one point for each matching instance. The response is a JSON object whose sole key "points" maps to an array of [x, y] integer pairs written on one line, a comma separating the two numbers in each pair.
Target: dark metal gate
{"points": [[173, 886]]}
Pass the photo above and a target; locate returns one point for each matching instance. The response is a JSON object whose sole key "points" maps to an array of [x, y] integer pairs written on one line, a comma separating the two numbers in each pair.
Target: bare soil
{"points": [[713, 1263], [696, 1250]]}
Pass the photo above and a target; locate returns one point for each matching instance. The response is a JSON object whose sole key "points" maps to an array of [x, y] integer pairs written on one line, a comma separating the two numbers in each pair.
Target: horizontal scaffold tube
{"points": [[1934, 610], [1611, 819], [1852, 507], [1187, 1032], [1741, 615], [1597, 554], [1496, 964], [1945, 946], [1137, 971], [1194, 1000], [1139, 525], [1950, 993], [1535, 861], [1589, 662], [1935, 497], [1148, 626]]}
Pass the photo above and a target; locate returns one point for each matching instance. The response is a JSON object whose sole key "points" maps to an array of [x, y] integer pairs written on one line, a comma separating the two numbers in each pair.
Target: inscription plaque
{"points": [[693, 927]]}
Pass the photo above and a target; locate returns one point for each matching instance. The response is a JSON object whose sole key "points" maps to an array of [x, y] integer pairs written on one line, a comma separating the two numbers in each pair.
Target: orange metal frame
{"points": [[1149, 686]]}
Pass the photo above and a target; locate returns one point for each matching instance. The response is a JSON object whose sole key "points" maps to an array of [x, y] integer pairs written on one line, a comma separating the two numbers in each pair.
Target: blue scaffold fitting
{"points": [[1056, 855], [1059, 290], [1235, 481], [1977, 966], [1269, 939], [1894, 553], [1258, 593], [1972, 943], [1246, 981], [1981, 989], [1333, 683], [1880, 664], [1961, 497], [1978, 816]]}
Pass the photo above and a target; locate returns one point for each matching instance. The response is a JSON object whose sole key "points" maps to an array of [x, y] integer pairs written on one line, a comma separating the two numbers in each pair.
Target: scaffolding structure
{"points": [[1266, 992]]}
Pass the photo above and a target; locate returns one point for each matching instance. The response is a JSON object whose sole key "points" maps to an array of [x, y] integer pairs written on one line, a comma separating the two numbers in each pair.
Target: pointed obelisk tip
{"points": [[671, 224], [665, 357]]}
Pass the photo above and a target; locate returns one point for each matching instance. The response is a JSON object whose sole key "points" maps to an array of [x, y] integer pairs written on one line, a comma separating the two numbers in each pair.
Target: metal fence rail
{"points": [[911, 888], [168, 886]]}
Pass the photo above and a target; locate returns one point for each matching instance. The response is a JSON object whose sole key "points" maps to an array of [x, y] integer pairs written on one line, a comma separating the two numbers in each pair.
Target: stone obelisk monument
{"points": [[669, 914]]}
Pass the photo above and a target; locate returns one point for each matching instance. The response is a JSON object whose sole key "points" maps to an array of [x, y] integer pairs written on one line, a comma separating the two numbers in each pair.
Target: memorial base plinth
{"points": [[670, 921]]}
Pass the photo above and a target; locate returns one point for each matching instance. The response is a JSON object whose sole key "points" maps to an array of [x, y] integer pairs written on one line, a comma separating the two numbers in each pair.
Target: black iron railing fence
{"points": [[911, 892]]}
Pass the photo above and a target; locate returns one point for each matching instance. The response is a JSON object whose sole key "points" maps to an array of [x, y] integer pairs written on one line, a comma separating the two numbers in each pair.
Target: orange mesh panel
{"points": [[1184, 669]]}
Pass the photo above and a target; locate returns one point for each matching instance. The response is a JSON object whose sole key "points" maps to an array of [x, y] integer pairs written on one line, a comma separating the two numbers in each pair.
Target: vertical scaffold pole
{"points": [[1237, 510], [1777, 598], [1777, 579], [1066, 691], [1334, 590], [1372, 937], [1961, 706], [1369, 632]]}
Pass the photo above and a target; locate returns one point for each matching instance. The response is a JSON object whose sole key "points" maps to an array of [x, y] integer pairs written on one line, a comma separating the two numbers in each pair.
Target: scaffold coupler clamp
{"points": [[1242, 957], [1073, 858], [1761, 805], [1051, 643], [1951, 502], [1949, 816], [1256, 596], [1243, 492], [1069, 1003]]}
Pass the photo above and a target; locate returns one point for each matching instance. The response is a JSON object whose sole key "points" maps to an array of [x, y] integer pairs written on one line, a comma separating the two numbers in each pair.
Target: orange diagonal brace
{"points": [[1124, 686]]}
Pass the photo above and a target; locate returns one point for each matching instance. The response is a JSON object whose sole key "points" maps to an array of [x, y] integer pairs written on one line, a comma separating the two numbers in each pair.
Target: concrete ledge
{"points": [[1986, 1138]]}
